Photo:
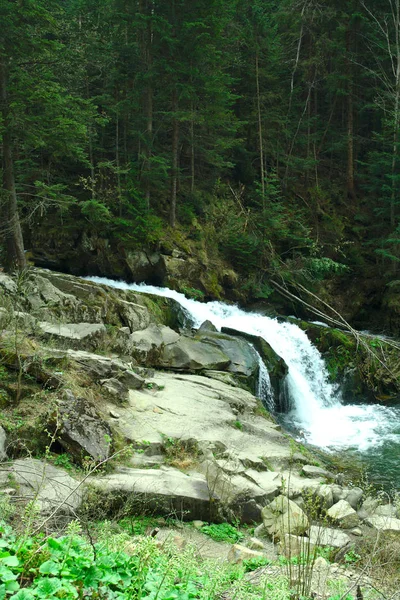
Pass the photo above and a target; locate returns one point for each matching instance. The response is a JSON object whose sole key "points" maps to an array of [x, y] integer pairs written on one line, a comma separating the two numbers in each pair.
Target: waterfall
{"points": [[264, 387], [315, 403]]}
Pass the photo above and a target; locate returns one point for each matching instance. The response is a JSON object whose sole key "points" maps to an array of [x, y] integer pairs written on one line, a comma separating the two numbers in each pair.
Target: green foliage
{"points": [[223, 532], [252, 564]]}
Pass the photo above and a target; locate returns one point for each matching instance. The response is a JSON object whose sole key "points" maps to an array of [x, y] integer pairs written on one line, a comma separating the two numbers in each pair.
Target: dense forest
{"points": [[262, 134]]}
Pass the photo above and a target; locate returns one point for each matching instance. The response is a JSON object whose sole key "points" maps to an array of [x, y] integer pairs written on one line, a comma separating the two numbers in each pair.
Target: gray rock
{"points": [[75, 335], [236, 493], [188, 354], [3, 454], [384, 524], [261, 531], [337, 492], [47, 486], [312, 471], [324, 536], [166, 490], [147, 345], [239, 553], [324, 493], [354, 497], [80, 430], [255, 544], [102, 368], [369, 507], [207, 326], [244, 359], [385, 510], [343, 514], [132, 315], [282, 516], [7, 284]]}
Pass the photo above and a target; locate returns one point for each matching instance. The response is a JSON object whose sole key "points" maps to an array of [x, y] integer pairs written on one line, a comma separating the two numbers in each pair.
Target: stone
{"points": [[283, 516], [239, 553], [384, 524], [337, 492], [243, 357], [115, 388], [325, 536], [276, 366], [324, 493], [114, 414], [354, 497], [7, 284], [207, 326], [102, 368], [385, 510], [261, 531], [312, 471], [147, 345], [356, 531], [76, 335], [132, 315], [236, 493], [188, 354], [368, 507], [198, 524], [255, 544], [166, 490], [343, 514], [50, 487], [80, 430], [3, 454]]}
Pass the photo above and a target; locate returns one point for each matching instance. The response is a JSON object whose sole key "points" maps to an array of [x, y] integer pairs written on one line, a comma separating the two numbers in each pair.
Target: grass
{"points": [[223, 532]]}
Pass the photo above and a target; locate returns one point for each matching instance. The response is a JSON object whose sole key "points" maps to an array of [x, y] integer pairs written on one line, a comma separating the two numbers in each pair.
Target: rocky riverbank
{"points": [[91, 375]]}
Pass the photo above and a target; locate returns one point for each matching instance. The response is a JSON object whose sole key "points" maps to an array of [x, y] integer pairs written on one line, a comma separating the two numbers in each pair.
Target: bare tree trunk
{"points": [[350, 117], [15, 255], [175, 147], [260, 132]]}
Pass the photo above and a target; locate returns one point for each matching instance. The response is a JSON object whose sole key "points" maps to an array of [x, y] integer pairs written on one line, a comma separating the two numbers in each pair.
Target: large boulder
{"points": [[74, 335], [319, 537], [146, 346], [80, 430], [276, 366], [244, 360], [283, 516], [384, 524], [166, 490], [343, 514], [48, 487], [188, 354]]}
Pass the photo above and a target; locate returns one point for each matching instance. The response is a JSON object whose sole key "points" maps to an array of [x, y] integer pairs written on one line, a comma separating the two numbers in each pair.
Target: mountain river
{"points": [[318, 416]]}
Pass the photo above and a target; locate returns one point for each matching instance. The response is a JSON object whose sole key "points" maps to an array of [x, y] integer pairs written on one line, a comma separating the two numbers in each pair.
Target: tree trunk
{"points": [[260, 132], [350, 117], [174, 170], [15, 255]]}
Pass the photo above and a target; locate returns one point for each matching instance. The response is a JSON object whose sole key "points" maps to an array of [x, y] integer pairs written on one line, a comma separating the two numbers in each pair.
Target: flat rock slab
{"points": [[47, 486], [75, 334], [191, 407], [389, 524], [325, 536], [165, 490]]}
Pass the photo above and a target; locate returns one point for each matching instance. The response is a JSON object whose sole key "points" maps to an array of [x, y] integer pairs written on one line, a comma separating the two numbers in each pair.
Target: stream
{"points": [[369, 433]]}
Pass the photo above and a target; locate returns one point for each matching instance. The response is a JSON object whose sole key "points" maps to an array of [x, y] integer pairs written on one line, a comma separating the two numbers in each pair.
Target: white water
{"points": [[316, 404]]}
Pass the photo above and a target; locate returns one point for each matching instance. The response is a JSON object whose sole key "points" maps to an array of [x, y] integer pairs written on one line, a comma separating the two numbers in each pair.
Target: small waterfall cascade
{"points": [[315, 403], [264, 387]]}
